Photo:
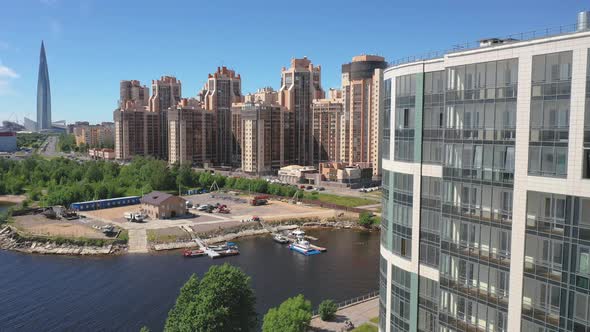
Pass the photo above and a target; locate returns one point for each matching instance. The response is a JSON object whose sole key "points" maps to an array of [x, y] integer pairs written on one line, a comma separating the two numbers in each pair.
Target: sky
{"points": [[93, 44]]}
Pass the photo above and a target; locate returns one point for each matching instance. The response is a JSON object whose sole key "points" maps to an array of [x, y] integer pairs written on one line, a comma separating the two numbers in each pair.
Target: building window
{"points": [[386, 145], [550, 108], [405, 104]]}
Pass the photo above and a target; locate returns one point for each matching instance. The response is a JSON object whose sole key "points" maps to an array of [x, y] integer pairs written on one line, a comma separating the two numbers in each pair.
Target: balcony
{"points": [[540, 313], [498, 297]]}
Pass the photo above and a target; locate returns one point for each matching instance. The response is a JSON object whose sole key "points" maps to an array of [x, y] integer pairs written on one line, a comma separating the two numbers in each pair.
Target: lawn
{"points": [[375, 320], [366, 328], [347, 201]]}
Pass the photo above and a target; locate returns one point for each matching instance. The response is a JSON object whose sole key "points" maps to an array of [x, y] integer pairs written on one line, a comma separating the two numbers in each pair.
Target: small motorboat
{"points": [[193, 253], [224, 247], [227, 253], [298, 233], [280, 239]]}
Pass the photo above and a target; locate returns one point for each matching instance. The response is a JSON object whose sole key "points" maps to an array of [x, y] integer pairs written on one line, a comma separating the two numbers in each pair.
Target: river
{"points": [[124, 293]]}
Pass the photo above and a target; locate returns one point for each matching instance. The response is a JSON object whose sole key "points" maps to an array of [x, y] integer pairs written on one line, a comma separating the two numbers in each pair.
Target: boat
{"points": [[303, 247], [193, 253], [298, 233], [227, 253], [280, 239], [224, 247]]}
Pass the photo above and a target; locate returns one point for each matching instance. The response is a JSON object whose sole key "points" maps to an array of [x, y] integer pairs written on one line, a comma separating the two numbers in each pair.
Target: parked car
{"points": [[321, 188], [309, 187]]}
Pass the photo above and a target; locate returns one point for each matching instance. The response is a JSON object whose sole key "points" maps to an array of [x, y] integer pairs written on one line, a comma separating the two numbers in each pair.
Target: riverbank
{"points": [[11, 239], [256, 229], [13, 199]]}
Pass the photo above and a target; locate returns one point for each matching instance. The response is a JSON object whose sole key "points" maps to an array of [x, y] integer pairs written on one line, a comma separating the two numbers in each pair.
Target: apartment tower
{"points": [[190, 133], [300, 85], [222, 89], [361, 92], [327, 122], [486, 189], [133, 90], [166, 92]]}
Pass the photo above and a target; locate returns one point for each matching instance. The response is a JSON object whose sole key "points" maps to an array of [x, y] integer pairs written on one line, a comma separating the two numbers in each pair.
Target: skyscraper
{"points": [[222, 89], [361, 91], [43, 93], [486, 196], [300, 85]]}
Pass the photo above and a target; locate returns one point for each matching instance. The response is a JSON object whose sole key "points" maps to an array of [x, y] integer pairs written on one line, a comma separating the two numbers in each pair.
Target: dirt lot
{"points": [[40, 225], [242, 210]]}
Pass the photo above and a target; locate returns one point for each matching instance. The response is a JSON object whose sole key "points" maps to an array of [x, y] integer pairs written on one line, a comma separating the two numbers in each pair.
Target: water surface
{"points": [[57, 293]]}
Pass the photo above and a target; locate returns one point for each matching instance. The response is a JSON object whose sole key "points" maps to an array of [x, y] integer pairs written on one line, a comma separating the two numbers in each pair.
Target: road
{"points": [[49, 148]]}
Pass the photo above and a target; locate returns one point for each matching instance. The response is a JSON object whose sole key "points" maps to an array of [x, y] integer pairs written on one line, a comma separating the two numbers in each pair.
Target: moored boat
{"points": [[303, 247], [193, 253], [280, 239], [227, 253]]}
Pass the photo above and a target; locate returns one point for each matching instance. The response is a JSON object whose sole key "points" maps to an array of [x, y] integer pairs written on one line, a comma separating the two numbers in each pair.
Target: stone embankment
{"points": [[11, 240], [256, 228]]}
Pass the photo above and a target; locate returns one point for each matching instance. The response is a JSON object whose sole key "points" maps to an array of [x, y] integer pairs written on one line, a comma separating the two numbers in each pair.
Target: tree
{"points": [[366, 219], [188, 293], [293, 315], [144, 329], [222, 301], [327, 310]]}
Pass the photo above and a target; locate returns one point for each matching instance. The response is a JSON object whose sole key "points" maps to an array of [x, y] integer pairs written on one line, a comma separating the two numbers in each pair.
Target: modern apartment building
{"points": [[266, 95], [134, 91], [190, 134], [258, 127], [223, 88], [99, 135], [300, 85], [327, 122], [486, 196], [166, 92], [361, 92], [137, 132]]}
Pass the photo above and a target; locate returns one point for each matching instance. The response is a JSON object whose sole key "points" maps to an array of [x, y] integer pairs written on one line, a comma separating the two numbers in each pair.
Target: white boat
{"points": [[303, 247], [298, 233], [280, 239]]}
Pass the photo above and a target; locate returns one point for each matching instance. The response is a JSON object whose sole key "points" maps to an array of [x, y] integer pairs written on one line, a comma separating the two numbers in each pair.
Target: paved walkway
{"points": [[138, 241], [358, 314]]}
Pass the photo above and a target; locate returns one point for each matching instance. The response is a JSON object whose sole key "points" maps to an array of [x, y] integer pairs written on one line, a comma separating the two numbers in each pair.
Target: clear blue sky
{"points": [[92, 45]]}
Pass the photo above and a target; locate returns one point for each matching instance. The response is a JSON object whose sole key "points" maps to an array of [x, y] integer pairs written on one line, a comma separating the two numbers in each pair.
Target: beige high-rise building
{"points": [[137, 132], [133, 91], [261, 136], [95, 136], [266, 96], [327, 122], [361, 92], [190, 133], [222, 89], [166, 93], [300, 85]]}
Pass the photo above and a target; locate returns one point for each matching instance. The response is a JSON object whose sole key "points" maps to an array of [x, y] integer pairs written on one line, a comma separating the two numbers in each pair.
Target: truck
{"points": [[259, 200]]}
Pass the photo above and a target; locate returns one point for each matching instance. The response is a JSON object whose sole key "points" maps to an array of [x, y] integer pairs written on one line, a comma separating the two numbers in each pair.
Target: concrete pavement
{"points": [[358, 314]]}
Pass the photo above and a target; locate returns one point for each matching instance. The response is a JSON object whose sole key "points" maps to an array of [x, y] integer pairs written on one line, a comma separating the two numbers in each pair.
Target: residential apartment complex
{"points": [[99, 135], [361, 93], [486, 196], [222, 89], [328, 119], [300, 85], [190, 138]]}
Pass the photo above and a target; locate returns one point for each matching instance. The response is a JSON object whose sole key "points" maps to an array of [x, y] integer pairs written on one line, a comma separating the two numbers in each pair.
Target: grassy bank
{"points": [[348, 201]]}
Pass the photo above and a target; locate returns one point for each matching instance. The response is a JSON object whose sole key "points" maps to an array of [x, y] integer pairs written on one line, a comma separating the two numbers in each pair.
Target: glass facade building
{"points": [[486, 196]]}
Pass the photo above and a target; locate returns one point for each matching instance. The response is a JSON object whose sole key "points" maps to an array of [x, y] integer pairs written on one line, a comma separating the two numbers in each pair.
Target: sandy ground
{"points": [[16, 199], [40, 225]]}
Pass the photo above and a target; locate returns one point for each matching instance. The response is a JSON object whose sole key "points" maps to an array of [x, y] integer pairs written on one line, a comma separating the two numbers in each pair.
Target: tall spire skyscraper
{"points": [[43, 94]]}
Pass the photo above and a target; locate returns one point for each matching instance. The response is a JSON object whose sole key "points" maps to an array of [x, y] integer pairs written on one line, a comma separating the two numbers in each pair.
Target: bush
{"points": [[293, 315], [327, 310], [366, 219]]}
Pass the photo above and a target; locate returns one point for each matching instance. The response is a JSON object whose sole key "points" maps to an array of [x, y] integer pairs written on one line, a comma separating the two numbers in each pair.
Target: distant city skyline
{"points": [[94, 46]]}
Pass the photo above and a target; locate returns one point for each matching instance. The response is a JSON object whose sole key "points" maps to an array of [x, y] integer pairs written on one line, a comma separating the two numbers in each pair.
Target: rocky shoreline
{"points": [[11, 240], [255, 229]]}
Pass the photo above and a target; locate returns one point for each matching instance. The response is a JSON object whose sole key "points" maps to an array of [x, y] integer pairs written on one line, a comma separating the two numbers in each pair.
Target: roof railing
{"points": [[517, 37]]}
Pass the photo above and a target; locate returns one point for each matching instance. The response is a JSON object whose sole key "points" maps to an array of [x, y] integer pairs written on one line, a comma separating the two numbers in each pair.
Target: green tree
{"points": [[293, 315], [144, 329], [223, 301], [327, 310], [366, 219], [177, 316]]}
